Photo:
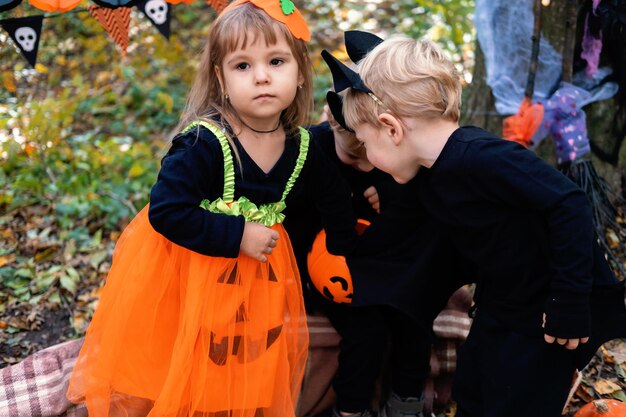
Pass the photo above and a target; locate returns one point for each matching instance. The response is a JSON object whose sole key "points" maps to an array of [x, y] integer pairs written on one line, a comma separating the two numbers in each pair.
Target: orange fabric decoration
{"points": [[329, 273], [217, 5], [180, 334], [522, 126], [283, 11], [115, 21], [55, 5]]}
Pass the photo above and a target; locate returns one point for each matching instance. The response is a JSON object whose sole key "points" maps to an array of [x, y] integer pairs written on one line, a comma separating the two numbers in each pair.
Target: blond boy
{"points": [[525, 227]]}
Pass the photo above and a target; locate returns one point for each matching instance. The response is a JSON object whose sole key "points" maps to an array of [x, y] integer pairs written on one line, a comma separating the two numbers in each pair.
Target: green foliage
{"points": [[81, 135], [92, 174], [447, 22], [80, 142], [84, 131]]}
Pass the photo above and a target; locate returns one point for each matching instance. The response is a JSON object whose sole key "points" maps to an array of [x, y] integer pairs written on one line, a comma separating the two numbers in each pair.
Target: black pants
{"points": [[366, 333], [501, 373]]}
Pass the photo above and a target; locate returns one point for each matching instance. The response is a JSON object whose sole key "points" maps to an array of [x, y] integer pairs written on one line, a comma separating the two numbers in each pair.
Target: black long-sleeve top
{"points": [[193, 170], [524, 225], [401, 259]]}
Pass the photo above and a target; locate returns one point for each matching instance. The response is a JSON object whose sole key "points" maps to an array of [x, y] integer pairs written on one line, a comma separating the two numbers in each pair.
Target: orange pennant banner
{"points": [[115, 21], [217, 5]]}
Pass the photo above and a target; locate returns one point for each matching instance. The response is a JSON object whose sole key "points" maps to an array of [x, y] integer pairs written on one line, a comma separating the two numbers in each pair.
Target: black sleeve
{"points": [[193, 170], [508, 173], [358, 181], [332, 197]]}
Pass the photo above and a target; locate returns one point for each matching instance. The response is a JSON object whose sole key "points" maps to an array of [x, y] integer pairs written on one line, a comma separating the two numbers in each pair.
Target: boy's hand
{"points": [[372, 196], [570, 344], [258, 241]]}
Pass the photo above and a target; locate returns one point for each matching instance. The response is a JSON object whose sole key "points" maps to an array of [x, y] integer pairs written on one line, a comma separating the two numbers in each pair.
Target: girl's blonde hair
{"points": [[233, 29], [410, 78]]}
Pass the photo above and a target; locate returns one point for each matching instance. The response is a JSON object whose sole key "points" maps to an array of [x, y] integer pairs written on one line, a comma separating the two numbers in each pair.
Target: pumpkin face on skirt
{"points": [[329, 273]]}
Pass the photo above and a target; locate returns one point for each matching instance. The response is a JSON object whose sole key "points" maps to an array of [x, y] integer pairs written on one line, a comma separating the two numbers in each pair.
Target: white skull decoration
{"points": [[157, 11], [26, 37]]}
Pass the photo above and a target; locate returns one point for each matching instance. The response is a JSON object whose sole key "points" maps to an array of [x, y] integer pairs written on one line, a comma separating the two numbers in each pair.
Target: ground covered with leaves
{"points": [[50, 278], [49, 283]]}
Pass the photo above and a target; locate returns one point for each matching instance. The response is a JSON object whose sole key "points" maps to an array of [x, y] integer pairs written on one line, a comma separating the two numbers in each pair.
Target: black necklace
{"points": [[261, 131]]}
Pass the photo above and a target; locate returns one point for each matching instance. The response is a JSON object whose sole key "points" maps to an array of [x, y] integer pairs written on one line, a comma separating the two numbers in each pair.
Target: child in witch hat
{"points": [[399, 258], [541, 277]]}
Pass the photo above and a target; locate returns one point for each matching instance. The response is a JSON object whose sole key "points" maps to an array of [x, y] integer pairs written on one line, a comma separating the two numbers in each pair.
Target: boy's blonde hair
{"points": [[409, 78], [233, 29]]}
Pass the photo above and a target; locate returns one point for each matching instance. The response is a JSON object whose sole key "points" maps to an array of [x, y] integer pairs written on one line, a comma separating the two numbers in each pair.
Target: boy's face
{"points": [[350, 151], [385, 154]]}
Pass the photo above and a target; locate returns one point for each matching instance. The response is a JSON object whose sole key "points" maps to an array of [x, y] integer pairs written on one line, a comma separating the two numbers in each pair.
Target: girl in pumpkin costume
{"points": [[202, 312]]}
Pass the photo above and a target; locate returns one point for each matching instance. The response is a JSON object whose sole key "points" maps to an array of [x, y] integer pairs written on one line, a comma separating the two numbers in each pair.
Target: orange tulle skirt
{"points": [[178, 334]]}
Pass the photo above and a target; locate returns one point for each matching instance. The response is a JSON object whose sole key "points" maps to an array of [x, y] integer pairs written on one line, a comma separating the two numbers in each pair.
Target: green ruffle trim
{"points": [[267, 214], [229, 168], [304, 149]]}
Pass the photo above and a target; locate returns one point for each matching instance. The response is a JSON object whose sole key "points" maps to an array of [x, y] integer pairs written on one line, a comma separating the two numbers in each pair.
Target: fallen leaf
{"points": [[620, 395], [46, 255], [18, 323], [612, 239], [607, 356], [620, 370], [80, 323], [10, 360], [618, 352], [605, 386], [7, 234], [8, 81], [585, 393], [41, 68], [5, 260]]}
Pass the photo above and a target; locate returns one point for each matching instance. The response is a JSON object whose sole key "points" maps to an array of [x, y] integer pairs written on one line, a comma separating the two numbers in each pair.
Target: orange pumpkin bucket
{"points": [[329, 273]]}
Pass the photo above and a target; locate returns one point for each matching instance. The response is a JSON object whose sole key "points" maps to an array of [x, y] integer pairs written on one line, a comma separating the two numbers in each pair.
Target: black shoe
{"points": [[403, 407]]}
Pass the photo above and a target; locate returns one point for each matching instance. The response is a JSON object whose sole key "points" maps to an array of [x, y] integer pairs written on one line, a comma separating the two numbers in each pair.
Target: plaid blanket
{"points": [[36, 386]]}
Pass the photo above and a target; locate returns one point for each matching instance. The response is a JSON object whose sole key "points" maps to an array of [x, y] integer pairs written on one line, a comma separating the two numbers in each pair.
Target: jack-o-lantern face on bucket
{"points": [[329, 273]]}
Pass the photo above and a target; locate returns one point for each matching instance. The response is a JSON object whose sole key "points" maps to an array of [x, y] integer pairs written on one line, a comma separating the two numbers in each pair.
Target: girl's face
{"points": [[261, 80]]}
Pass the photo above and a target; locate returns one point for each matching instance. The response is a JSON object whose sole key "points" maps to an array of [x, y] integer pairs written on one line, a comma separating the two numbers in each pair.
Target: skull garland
{"points": [[26, 37], [157, 11], [26, 33]]}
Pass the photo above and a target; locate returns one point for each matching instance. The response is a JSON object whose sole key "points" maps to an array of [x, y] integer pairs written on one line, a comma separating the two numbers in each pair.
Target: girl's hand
{"points": [[258, 241], [372, 196]]}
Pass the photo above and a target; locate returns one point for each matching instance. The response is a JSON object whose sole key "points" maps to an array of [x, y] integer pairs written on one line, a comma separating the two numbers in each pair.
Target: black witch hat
{"points": [[358, 45], [335, 104]]}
